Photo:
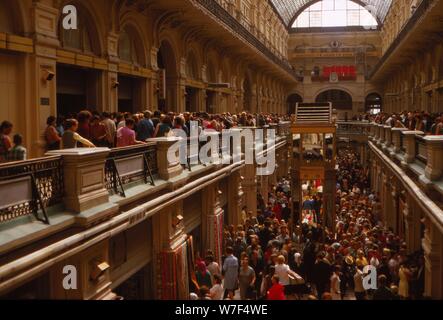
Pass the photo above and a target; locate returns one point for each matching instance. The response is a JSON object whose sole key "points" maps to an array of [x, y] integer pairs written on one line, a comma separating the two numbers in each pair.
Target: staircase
{"points": [[311, 113]]}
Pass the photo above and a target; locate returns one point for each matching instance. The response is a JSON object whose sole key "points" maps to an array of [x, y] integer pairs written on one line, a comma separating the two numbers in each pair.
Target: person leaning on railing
{"points": [[71, 138], [126, 135], [5, 140]]}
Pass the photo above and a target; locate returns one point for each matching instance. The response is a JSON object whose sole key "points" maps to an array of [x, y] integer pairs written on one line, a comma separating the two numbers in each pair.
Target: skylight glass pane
{"points": [[340, 4], [334, 18], [315, 18], [366, 19], [328, 4], [353, 5], [328, 12], [316, 6], [303, 20], [353, 17]]}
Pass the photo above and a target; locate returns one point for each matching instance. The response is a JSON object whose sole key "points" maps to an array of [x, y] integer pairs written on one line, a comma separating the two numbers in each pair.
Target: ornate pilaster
{"points": [[171, 249], [212, 221], [235, 198], [433, 249]]}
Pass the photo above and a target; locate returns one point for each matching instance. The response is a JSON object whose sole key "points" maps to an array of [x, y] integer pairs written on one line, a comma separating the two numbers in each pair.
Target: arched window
{"points": [[6, 20], [341, 100], [335, 13], [211, 73], [373, 103], [80, 38], [292, 101], [191, 67], [127, 47]]}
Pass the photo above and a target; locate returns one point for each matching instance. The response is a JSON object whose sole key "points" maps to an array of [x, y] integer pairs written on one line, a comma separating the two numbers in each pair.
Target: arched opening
{"points": [[130, 47], [341, 100], [373, 103], [78, 88], [85, 38], [167, 63], [192, 74], [292, 101], [131, 88]]}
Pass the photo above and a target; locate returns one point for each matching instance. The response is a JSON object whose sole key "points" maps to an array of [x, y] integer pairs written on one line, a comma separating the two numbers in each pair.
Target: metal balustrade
{"points": [[30, 187], [239, 29], [130, 165]]}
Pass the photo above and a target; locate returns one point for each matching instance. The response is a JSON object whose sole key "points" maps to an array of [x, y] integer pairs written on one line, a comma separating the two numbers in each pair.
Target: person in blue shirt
{"points": [[145, 127]]}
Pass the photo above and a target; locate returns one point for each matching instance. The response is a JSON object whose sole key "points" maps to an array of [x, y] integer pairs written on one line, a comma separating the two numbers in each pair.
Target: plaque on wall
{"points": [[45, 101]]}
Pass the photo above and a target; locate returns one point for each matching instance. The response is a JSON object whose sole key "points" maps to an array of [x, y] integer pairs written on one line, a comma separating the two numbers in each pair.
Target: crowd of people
{"points": [[104, 129], [429, 123], [271, 256], [95, 129]]}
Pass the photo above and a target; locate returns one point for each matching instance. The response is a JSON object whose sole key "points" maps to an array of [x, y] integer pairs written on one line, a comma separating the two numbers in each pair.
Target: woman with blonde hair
{"points": [[284, 272]]}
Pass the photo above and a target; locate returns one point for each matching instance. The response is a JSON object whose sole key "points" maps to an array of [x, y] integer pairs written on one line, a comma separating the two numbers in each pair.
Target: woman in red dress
{"points": [[277, 291]]}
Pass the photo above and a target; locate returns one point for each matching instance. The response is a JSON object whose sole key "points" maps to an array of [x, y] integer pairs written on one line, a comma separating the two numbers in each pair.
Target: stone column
{"points": [[296, 193], [40, 93], [249, 185], [433, 249], [213, 217], [329, 198], [412, 226], [385, 196], [171, 251], [434, 168], [393, 207], [235, 198], [84, 177]]}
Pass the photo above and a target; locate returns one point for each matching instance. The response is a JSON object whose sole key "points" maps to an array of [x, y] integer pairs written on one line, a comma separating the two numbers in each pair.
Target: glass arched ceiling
{"points": [[289, 9], [335, 13]]}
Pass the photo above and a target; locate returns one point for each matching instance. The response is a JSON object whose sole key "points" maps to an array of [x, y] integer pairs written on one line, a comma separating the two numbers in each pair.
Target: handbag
{"points": [[296, 280]]}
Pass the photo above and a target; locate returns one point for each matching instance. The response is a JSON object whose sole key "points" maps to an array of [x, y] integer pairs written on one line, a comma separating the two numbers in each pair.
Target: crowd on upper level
{"points": [[429, 123], [95, 129], [270, 257]]}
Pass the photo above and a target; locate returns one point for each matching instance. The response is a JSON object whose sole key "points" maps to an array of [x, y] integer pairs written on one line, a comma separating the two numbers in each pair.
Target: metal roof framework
{"points": [[290, 9]]}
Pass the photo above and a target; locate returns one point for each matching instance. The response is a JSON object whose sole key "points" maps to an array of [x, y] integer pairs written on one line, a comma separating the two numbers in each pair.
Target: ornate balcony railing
{"points": [[130, 165], [402, 144], [224, 16], [352, 128], [420, 150], [410, 24], [30, 187]]}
